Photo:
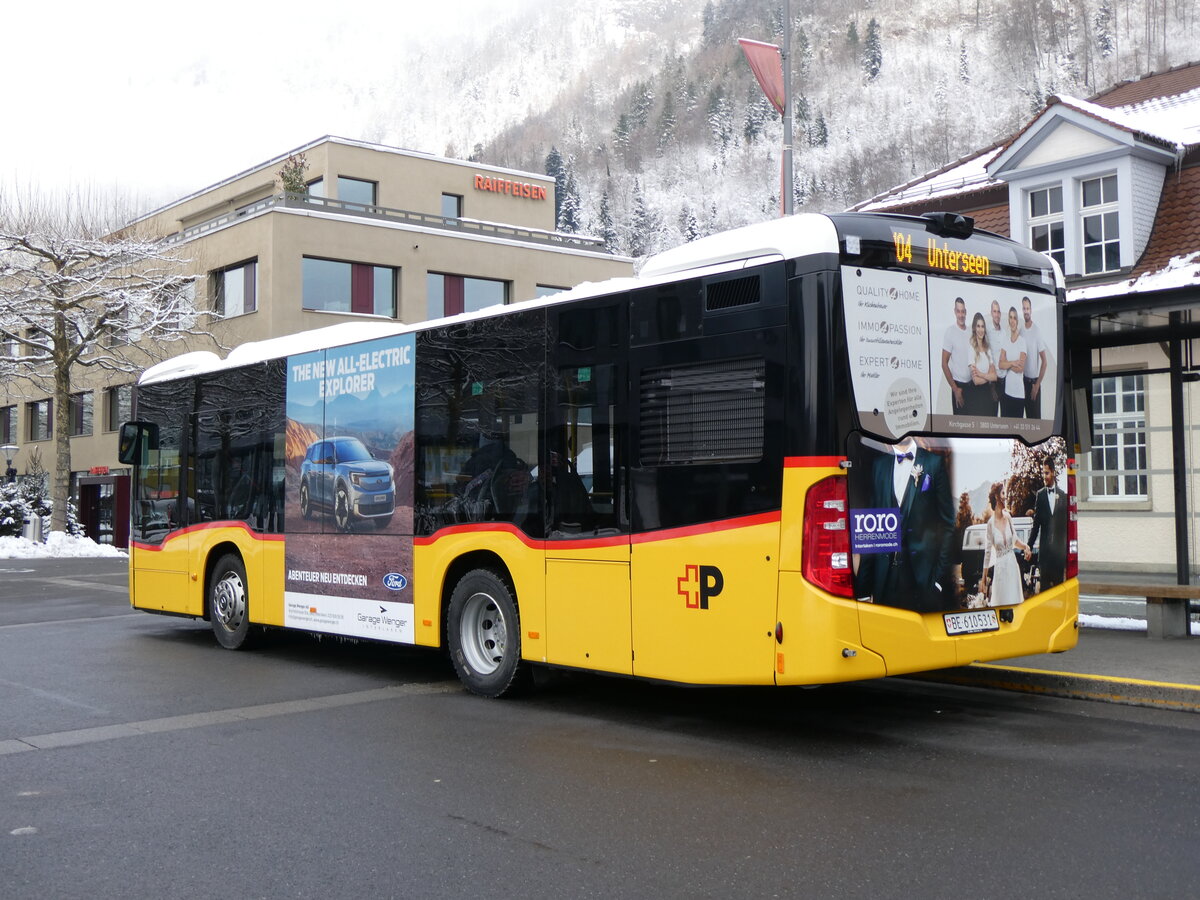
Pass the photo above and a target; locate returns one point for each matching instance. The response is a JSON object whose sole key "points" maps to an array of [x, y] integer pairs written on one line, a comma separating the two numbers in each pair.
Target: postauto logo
{"points": [[394, 581]]}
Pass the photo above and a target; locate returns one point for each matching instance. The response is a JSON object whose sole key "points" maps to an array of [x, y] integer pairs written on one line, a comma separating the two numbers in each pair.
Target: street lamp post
{"points": [[10, 471]]}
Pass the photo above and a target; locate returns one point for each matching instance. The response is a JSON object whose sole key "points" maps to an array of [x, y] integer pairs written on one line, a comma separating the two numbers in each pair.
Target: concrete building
{"points": [[377, 232], [1110, 188]]}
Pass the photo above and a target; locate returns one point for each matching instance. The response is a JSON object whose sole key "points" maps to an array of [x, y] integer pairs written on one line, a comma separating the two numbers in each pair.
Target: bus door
{"points": [[587, 533], [706, 378], [159, 508]]}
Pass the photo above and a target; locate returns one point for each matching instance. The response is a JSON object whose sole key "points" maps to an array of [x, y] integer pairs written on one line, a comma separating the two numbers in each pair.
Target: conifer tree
{"points": [[569, 207], [689, 228], [666, 123], [557, 169], [818, 135], [1106, 41], [608, 230], [872, 60]]}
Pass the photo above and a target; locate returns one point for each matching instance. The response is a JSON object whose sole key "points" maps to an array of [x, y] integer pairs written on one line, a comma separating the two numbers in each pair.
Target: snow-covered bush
{"points": [[20, 501]]}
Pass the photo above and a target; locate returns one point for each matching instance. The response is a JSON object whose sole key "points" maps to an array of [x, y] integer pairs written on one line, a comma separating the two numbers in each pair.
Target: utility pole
{"points": [[785, 57]]}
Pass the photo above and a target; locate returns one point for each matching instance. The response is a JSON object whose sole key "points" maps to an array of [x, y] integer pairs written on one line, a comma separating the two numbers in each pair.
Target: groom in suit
{"points": [[1050, 522], [918, 576]]}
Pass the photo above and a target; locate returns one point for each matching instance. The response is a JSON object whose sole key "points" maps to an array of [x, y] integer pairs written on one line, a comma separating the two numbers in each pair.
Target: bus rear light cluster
{"points": [[827, 537], [1072, 527]]}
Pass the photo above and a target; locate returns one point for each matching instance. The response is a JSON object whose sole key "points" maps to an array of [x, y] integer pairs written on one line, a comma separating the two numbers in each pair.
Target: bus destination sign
{"points": [[939, 255]]}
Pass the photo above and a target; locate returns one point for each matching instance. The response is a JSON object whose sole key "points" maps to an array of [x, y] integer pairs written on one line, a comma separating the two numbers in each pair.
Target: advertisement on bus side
{"points": [[945, 524], [948, 355], [349, 490]]}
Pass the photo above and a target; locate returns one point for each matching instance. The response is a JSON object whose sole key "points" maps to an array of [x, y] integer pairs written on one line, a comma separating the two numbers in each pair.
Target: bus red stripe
{"points": [[671, 534], [667, 534], [205, 526], [812, 462]]}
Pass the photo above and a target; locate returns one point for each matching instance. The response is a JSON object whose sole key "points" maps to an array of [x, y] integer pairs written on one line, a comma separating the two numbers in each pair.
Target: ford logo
{"points": [[394, 581]]}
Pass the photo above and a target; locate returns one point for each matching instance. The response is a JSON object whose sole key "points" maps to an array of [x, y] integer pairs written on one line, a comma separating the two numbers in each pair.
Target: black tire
{"points": [[483, 632], [342, 517], [229, 603], [306, 509]]}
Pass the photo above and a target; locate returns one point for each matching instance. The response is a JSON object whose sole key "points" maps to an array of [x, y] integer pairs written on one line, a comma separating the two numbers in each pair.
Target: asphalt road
{"points": [[137, 759]]}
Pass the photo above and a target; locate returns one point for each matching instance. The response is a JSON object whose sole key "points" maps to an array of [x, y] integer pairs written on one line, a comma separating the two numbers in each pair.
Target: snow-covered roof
{"points": [[1172, 120], [1145, 119], [963, 177], [1181, 271]]}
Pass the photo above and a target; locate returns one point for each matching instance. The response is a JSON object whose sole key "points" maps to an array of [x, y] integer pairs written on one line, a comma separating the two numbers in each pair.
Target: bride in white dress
{"points": [[1002, 540]]}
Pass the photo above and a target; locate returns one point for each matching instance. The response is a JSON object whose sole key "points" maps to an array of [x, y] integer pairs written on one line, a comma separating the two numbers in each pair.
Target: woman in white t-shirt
{"points": [[1012, 369], [980, 398]]}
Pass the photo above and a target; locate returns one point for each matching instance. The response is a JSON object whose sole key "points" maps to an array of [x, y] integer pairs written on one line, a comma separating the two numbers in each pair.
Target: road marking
{"points": [[75, 582], [128, 615], [220, 717], [50, 695]]}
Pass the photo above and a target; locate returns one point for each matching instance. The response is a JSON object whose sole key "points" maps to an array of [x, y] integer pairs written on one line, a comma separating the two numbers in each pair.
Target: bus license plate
{"points": [[973, 622]]}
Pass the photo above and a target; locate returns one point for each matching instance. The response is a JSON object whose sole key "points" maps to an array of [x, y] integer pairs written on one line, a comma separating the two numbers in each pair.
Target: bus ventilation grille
{"points": [[733, 293]]}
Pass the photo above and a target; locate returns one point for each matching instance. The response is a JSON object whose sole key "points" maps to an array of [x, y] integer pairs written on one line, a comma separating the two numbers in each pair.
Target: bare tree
{"points": [[75, 296]]}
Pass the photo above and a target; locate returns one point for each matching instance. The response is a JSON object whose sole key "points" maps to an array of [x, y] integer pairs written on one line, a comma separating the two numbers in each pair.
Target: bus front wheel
{"points": [[483, 630], [229, 603]]}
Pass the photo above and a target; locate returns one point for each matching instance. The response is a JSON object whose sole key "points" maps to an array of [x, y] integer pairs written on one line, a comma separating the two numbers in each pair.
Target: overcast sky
{"points": [[160, 99]]}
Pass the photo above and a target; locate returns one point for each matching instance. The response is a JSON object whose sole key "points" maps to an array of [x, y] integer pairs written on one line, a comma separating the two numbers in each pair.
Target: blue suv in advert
{"points": [[339, 475]]}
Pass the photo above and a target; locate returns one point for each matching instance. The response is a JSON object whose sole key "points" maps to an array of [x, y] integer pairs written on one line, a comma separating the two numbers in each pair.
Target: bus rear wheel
{"points": [[483, 630], [229, 603]]}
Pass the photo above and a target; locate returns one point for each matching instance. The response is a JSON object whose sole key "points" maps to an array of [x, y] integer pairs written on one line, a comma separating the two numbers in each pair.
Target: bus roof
{"points": [[789, 237]]}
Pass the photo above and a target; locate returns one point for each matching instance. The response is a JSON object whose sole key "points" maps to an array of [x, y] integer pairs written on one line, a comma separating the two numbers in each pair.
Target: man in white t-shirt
{"points": [[956, 355], [1035, 365], [995, 330]]}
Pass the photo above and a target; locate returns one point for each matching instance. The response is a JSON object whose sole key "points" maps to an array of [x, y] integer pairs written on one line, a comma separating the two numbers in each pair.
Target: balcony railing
{"points": [[386, 214]]}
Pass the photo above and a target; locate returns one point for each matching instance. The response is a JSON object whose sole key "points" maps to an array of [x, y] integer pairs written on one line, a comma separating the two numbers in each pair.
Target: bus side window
{"points": [[478, 422]]}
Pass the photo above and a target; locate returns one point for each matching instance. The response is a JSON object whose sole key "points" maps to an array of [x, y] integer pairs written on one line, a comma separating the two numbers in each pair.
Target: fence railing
{"points": [[384, 213]]}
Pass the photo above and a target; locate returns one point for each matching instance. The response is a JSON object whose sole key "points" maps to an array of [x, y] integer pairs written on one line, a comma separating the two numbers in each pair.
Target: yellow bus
{"points": [[819, 449]]}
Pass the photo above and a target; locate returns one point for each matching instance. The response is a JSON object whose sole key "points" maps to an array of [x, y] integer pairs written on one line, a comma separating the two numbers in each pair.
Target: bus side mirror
{"points": [[134, 440]]}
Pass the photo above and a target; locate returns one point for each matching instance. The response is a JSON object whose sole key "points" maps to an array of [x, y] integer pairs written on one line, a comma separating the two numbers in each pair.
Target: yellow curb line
{"points": [[1113, 678]]}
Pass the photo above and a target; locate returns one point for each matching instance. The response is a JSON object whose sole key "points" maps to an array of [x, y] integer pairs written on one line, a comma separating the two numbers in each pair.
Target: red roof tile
{"points": [[1176, 225], [1157, 84]]}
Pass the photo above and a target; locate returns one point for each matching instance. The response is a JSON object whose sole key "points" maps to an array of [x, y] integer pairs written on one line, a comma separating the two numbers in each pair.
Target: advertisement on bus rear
{"points": [[348, 556], [950, 524], [951, 356]]}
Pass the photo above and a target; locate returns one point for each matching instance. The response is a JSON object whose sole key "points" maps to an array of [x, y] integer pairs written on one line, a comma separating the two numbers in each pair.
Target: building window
{"points": [[118, 406], [546, 290], [236, 289], [452, 206], [450, 295], [355, 190], [316, 187], [1118, 462], [81, 414], [9, 346], [1101, 225], [8, 424], [41, 421], [334, 286], [1046, 232]]}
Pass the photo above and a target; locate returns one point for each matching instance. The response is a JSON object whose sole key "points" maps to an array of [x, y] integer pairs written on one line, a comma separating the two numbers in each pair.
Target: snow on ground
{"points": [[58, 546]]}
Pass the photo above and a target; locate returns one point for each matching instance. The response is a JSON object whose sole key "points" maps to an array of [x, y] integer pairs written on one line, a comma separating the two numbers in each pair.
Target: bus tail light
{"points": [[826, 549], [1072, 527]]}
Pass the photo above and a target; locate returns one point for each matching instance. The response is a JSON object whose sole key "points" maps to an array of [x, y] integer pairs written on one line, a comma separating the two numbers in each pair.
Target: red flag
{"points": [[767, 65]]}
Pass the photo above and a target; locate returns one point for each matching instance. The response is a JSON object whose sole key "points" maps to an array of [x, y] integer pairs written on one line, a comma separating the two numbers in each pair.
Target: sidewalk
{"points": [[1114, 666]]}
